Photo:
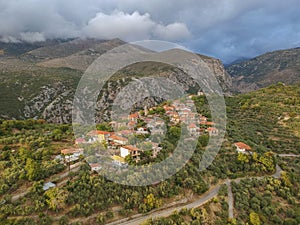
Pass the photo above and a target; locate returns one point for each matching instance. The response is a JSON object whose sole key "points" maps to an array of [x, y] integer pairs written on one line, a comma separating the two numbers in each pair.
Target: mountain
{"points": [[238, 60], [267, 69], [39, 80]]}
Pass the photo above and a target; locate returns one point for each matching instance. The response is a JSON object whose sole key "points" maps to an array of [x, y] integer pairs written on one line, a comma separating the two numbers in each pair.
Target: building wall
{"points": [[124, 152]]}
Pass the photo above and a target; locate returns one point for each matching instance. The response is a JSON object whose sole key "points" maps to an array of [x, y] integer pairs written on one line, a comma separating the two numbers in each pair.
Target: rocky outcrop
{"points": [[47, 81]]}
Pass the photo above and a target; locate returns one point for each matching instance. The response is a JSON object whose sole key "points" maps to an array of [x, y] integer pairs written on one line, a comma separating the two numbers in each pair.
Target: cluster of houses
{"points": [[181, 112], [118, 142]]}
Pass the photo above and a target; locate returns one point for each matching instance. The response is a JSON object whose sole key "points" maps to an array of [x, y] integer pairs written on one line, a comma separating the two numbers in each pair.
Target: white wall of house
{"points": [[241, 150], [124, 152]]}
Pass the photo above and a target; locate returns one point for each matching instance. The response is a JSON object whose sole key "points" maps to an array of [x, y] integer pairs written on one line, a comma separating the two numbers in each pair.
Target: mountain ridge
{"points": [[267, 69], [41, 82]]}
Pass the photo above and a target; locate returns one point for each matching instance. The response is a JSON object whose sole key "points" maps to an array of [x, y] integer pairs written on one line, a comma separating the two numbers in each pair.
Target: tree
{"points": [[151, 202], [56, 198], [254, 218], [57, 135], [33, 170]]}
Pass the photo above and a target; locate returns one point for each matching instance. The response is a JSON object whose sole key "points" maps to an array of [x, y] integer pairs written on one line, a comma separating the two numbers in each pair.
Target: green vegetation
{"points": [[267, 120], [214, 212], [19, 87], [265, 70]]}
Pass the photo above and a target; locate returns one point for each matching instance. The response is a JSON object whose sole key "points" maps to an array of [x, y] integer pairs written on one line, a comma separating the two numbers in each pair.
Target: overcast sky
{"points": [[226, 29]]}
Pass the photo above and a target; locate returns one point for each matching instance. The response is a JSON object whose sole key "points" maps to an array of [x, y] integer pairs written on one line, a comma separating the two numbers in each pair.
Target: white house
{"points": [[95, 167], [193, 129], [212, 131], [130, 150], [118, 140], [72, 154], [243, 148], [142, 130]]}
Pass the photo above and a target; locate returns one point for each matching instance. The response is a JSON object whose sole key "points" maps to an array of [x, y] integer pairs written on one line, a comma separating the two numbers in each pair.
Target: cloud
{"points": [[32, 37], [9, 39], [172, 32], [225, 29], [132, 27]]}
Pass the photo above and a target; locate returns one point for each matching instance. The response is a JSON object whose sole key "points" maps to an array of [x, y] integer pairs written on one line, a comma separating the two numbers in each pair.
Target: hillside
{"points": [[39, 80], [262, 71], [267, 120]]}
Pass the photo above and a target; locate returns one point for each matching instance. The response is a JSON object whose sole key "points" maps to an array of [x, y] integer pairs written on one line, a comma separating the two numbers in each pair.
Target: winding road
{"points": [[165, 212], [168, 210], [138, 219]]}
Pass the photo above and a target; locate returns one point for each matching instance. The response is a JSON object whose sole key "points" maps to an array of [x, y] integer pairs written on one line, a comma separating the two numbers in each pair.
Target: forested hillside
{"points": [[267, 120]]}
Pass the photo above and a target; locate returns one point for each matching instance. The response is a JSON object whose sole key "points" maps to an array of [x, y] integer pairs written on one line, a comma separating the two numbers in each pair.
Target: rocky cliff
{"points": [[40, 80]]}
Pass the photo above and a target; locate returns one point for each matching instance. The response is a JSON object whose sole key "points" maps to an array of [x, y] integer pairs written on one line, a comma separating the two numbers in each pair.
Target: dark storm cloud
{"points": [[227, 29]]}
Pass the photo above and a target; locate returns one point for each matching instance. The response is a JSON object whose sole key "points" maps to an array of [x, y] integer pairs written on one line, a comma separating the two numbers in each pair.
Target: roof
{"points": [[135, 115], [118, 138], [242, 145], [131, 123], [80, 140], [125, 132], [48, 185], [102, 132], [193, 126], [186, 111], [169, 108], [212, 129], [118, 159], [94, 165], [131, 148], [71, 151]]}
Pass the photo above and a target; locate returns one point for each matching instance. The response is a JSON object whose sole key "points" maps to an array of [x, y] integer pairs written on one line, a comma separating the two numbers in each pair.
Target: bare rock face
{"points": [[218, 69], [41, 81]]}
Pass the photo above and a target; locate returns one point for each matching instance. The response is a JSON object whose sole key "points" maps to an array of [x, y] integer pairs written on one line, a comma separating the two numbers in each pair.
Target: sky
{"points": [[225, 29]]}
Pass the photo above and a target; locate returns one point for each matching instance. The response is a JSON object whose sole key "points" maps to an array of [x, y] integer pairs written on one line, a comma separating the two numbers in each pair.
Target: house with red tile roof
{"points": [[193, 129], [95, 167], [133, 117], [72, 154], [131, 124], [80, 141], [168, 108], [242, 147], [118, 140], [99, 136], [212, 131]]}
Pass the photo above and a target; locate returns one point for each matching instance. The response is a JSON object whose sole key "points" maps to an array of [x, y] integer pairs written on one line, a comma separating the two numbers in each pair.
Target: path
{"points": [[230, 200], [73, 168], [168, 210], [288, 155]]}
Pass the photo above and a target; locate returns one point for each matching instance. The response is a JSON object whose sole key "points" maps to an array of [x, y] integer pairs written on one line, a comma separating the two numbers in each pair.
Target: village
{"points": [[142, 132]]}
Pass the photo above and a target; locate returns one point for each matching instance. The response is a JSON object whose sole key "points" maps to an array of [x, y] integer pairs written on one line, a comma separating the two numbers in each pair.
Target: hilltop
{"points": [[267, 69], [39, 80]]}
